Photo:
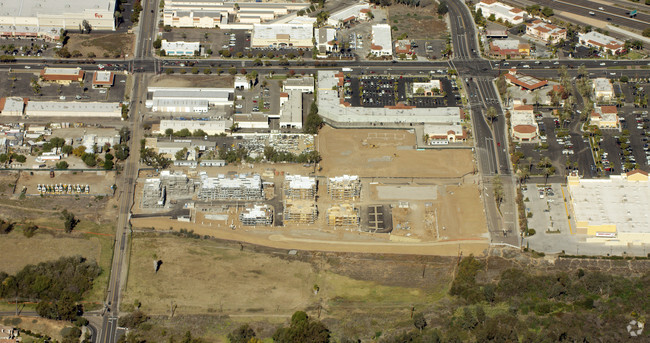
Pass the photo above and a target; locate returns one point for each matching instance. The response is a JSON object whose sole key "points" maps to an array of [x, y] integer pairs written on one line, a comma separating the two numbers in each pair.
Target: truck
{"points": [[346, 69]]}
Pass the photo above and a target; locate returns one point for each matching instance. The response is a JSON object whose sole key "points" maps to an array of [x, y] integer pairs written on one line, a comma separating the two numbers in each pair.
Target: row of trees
{"points": [[57, 286]]}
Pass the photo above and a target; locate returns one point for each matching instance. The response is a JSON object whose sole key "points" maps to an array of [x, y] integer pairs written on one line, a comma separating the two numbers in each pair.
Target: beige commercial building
{"points": [[615, 211], [282, 36]]}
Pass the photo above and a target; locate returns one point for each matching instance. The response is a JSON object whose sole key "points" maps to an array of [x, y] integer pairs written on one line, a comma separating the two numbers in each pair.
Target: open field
{"points": [[190, 80], [93, 237], [43, 326], [416, 22], [380, 153], [215, 278], [113, 44]]}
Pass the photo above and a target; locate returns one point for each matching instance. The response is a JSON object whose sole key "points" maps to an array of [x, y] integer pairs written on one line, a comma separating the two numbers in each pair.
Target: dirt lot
{"points": [[379, 153], [103, 45], [192, 81], [416, 23], [99, 181]]}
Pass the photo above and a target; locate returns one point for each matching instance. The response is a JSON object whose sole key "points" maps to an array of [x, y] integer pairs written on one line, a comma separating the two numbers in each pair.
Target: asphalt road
{"points": [[617, 15]]}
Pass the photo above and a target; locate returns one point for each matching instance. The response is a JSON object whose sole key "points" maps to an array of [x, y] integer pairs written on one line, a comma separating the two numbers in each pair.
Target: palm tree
{"points": [[548, 171]]}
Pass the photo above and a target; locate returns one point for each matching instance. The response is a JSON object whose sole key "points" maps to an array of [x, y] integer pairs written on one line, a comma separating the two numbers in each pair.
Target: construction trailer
{"points": [[345, 215], [299, 212], [257, 215], [299, 187], [346, 187]]}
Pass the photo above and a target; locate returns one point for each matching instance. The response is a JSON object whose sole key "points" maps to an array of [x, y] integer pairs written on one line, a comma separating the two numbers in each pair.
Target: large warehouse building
{"points": [[615, 210], [283, 35], [46, 18]]}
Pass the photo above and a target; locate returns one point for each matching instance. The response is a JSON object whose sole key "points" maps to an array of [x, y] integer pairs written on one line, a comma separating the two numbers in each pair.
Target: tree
{"points": [[547, 11], [491, 114], [61, 165], [108, 164], [125, 134], [157, 44], [181, 154], [419, 321], [20, 158], [133, 319], [67, 149], [443, 8], [646, 31], [69, 220], [242, 334], [313, 122], [302, 329], [121, 151]]}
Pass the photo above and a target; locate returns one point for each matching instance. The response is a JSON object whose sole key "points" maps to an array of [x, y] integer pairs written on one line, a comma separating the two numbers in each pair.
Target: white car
{"points": [[603, 63], [28, 67], [600, 8]]}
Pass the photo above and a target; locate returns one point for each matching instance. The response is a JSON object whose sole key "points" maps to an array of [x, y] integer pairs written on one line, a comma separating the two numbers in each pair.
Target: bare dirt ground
{"points": [[416, 22], [192, 81], [376, 153], [99, 181], [113, 44], [590, 21]]}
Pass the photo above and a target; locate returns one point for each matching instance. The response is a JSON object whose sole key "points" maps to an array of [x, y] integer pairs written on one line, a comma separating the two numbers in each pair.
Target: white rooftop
{"points": [[103, 76], [300, 182], [32, 8], [180, 45], [237, 181], [291, 110], [613, 201], [352, 11], [509, 44], [601, 39], [381, 36], [602, 84], [72, 106], [270, 31], [61, 71], [344, 178]]}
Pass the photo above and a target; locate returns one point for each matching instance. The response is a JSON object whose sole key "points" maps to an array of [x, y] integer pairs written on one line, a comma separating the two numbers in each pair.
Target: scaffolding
{"points": [[257, 215], [241, 187], [346, 187], [300, 212], [343, 215], [299, 187], [153, 194]]}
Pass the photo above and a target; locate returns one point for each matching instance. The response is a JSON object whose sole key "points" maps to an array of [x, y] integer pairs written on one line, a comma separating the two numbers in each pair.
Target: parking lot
{"points": [[628, 149], [19, 83], [380, 91], [263, 97], [233, 41], [26, 47]]}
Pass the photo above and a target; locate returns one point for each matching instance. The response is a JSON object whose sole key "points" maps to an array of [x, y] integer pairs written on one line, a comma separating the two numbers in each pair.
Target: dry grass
{"points": [[207, 277], [115, 44], [416, 22], [191, 80], [43, 326]]}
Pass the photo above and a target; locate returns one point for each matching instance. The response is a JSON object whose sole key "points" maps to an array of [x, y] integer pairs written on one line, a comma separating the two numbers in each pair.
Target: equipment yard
{"points": [[98, 182]]}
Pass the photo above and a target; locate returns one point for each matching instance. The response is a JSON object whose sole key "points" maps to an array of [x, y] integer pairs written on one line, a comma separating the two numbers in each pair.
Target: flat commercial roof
{"points": [[73, 106], [31, 8], [292, 108], [271, 31], [613, 201]]}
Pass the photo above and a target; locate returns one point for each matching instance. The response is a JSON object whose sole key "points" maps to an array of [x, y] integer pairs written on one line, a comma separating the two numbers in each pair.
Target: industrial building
{"points": [[299, 212], [73, 109], [545, 31], [600, 41], [282, 36], [303, 84], [501, 11], [291, 109], [188, 99], [62, 75], [192, 146], [349, 14], [210, 127], [603, 89], [226, 15], [45, 18], [333, 108], [92, 140], [299, 187], [345, 215], [222, 187], [614, 211], [257, 215], [605, 117], [382, 43], [12, 106], [180, 48], [346, 187], [252, 120], [523, 124]]}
